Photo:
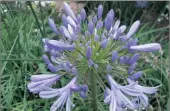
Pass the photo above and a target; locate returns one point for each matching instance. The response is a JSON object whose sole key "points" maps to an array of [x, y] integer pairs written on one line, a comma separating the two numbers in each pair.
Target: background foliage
{"points": [[21, 49]]}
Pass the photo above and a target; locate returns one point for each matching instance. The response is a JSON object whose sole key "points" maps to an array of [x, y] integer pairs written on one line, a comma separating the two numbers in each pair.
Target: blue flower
{"points": [[114, 55], [99, 24], [42, 82], [99, 11], [109, 20], [58, 45], [146, 47], [104, 43], [133, 59], [136, 75], [98, 46], [64, 95], [133, 29], [121, 97], [69, 11], [132, 67], [64, 20], [88, 52], [90, 27], [94, 19], [83, 14], [53, 26]]}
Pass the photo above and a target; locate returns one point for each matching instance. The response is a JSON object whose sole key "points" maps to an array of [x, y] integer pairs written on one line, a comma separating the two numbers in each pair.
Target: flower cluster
{"points": [[100, 46]]}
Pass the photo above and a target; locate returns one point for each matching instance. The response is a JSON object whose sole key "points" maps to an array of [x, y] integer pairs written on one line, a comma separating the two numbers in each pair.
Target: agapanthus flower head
{"points": [[100, 47]]}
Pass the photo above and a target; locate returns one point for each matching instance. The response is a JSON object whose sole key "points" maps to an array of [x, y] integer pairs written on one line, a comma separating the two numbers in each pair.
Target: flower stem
{"points": [[42, 18], [93, 84], [36, 18]]}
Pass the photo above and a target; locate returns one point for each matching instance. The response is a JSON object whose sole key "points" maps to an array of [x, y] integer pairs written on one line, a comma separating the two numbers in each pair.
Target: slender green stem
{"points": [[42, 19], [93, 84], [36, 18], [21, 59]]}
